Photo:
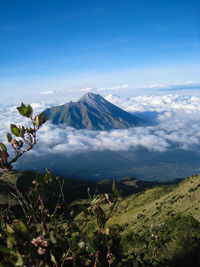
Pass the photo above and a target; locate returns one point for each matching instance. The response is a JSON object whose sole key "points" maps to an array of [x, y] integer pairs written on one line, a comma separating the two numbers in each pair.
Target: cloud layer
{"points": [[174, 125]]}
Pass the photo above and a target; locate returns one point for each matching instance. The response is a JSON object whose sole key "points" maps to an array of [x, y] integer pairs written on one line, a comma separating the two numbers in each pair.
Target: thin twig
{"points": [[19, 203]]}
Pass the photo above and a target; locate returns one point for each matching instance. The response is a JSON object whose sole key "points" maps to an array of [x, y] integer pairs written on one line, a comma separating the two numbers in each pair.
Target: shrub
{"points": [[175, 242], [24, 137], [44, 237]]}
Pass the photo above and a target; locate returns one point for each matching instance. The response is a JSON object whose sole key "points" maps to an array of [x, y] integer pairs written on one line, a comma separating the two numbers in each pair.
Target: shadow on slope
{"points": [[73, 189]]}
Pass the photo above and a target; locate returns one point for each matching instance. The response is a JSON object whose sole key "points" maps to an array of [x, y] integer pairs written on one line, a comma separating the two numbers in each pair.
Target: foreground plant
{"points": [[40, 235], [21, 138]]}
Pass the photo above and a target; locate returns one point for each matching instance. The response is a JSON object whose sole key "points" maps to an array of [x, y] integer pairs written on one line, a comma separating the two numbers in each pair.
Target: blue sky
{"points": [[64, 45]]}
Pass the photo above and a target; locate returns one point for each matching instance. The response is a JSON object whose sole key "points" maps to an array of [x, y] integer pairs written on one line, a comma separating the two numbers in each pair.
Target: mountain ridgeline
{"points": [[92, 112]]}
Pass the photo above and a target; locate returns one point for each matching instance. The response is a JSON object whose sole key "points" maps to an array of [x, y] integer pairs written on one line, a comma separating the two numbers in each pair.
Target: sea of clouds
{"points": [[172, 122]]}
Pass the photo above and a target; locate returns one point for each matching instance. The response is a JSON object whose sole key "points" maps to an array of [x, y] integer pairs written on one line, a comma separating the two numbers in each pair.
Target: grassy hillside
{"points": [[140, 202], [170, 212], [152, 224], [156, 204], [152, 205]]}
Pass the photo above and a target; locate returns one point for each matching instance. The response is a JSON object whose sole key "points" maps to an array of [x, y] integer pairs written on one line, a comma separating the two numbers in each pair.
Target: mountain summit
{"points": [[92, 112]]}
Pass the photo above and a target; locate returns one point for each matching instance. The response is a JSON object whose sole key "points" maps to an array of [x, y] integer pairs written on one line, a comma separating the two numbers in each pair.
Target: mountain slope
{"points": [[72, 188], [152, 206], [92, 112], [141, 202]]}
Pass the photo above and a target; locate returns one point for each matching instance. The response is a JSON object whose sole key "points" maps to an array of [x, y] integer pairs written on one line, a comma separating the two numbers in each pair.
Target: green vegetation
{"points": [[24, 137], [103, 230], [40, 232], [50, 221]]}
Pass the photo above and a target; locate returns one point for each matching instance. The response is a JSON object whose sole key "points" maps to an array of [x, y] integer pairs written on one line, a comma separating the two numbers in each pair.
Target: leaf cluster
{"points": [[21, 138], [40, 236]]}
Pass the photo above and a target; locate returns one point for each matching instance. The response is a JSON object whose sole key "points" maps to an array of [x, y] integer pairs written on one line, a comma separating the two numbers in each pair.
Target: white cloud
{"points": [[157, 103], [190, 82], [176, 124], [116, 87], [177, 121], [55, 139], [49, 92], [86, 89], [131, 89]]}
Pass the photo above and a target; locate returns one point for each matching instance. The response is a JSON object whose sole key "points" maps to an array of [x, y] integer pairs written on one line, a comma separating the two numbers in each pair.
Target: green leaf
{"points": [[151, 243], [30, 130], [29, 111], [48, 171], [26, 111], [156, 263], [9, 242], [12, 240], [95, 200], [9, 137], [22, 131], [9, 229], [40, 119], [3, 147], [101, 218], [81, 244], [89, 194], [22, 111], [52, 238], [15, 130], [22, 227], [114, 189], [19, 261], [37, 121], [20, 143], [5, 250], [53, 259], [43, 117]]}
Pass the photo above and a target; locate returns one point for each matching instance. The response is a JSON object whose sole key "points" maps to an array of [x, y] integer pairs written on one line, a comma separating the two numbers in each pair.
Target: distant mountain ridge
{"points": [[75, 188], [92, 112]]}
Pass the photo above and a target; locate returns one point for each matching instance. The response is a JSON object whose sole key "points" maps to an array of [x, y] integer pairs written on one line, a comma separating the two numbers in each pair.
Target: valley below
{"points": [[97, 165]]}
